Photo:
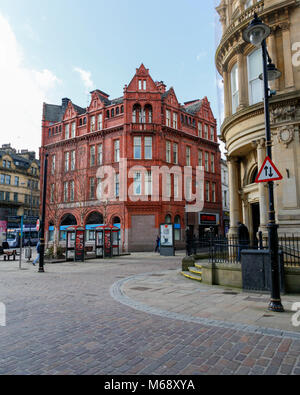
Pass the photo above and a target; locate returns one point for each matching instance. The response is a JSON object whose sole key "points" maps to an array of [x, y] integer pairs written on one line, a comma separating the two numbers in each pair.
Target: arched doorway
{"points": [[168, 219], [93, 220], [66, 221], [116, 221]]}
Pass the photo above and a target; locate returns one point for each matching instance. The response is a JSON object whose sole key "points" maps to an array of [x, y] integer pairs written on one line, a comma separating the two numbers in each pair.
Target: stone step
{"points": [[198, 266], [192, 276], [195, 270]]}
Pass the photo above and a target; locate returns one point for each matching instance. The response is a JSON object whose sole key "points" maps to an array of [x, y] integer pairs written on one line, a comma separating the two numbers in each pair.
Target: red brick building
{"points": [[148, 127]]}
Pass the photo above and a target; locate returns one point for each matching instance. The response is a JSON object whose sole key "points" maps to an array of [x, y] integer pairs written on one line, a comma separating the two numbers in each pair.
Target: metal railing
{"points": [[228, 250], [290, 247]]}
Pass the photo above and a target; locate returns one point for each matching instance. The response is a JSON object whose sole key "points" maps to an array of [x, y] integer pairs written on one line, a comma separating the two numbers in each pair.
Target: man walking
{"points": [[38, 249], [157, 246]]}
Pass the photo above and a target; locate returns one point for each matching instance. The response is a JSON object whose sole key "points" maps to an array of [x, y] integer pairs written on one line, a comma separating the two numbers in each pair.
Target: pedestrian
{"points": [[194, 244], [243, 239], [157, 246], [38, 249]]}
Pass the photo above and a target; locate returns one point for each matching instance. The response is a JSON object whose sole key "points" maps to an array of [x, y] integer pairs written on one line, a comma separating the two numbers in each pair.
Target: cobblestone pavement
{"points": [[65, 321]]}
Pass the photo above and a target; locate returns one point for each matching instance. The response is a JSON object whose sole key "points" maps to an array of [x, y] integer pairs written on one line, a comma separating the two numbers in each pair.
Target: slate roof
{"points": [[193, 108], [19, 160], [55, 113]]}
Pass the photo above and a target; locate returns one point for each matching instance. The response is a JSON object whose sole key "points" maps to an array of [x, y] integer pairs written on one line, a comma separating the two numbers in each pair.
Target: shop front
{"points": [[209, 222]]}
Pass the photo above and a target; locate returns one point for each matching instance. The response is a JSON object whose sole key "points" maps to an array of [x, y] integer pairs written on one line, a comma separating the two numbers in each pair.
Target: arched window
{"points": [[112, 112], [122, 109], [94, 218], [67, 220], [149, 112], [117, 111], [142, 117], [168, 219], [107, 114], [136, 111], [80, 122], [84, 120], [253, 176], [116, 221], [177, 228]]}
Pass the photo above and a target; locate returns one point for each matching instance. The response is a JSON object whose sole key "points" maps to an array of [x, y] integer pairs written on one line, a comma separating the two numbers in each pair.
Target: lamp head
{"points": [[256, 32], [273, 73]]}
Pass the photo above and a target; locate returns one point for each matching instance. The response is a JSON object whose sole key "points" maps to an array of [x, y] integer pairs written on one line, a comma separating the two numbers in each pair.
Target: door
{"points": [[255, 222]]}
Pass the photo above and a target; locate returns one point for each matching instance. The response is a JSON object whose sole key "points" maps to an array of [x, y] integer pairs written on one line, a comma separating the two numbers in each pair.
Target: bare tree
{"points": [[54, 207], [82, 185]]}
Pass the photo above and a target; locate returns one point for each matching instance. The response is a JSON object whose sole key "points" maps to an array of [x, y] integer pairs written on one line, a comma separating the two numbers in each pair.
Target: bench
{"points": [[8, 254]]}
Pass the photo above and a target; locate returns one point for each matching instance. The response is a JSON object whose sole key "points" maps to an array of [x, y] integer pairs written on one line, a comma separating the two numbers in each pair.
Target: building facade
{"points": [[19, 184], [147, 127], [243, 130]]}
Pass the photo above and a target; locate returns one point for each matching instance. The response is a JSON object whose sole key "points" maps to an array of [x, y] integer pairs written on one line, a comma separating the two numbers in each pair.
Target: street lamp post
{"points": [[256, 34], [42, 226]]}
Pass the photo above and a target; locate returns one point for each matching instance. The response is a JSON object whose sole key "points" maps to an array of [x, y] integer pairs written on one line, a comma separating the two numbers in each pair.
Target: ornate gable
{"points": [[170, 98], [142, 81]]}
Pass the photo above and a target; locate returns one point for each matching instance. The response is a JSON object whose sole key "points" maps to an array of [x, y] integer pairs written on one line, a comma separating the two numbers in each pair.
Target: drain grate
{"points": [[230, 293], [140, 289]]}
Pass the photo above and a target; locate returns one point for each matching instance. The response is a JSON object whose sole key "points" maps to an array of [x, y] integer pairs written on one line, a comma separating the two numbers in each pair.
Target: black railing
{"points": [[228, 249], [290, 247]]}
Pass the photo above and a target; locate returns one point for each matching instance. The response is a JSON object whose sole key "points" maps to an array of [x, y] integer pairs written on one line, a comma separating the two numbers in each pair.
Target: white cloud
{"points": [[23, 91], [86, 77]]}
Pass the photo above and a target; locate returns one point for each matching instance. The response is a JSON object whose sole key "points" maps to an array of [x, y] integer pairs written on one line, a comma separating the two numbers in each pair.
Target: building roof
{"points": [[193, 108], [19, 160], [55, 113]]}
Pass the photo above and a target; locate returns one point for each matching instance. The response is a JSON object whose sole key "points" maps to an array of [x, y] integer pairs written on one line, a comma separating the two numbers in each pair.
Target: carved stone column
{"points": [[226, 92], [273, 54], [243, 99], [287, 56], [233, 175]]}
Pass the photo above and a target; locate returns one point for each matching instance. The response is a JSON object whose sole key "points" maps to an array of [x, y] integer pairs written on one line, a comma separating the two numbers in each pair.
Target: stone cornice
{"points": [[284, 99]]}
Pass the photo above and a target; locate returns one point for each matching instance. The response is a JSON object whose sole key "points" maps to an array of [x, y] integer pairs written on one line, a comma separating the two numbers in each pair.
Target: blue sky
{"points": [[65, 48]]}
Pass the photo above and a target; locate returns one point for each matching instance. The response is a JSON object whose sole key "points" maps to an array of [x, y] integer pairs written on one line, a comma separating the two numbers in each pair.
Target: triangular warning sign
{"points": [[268, 172]]}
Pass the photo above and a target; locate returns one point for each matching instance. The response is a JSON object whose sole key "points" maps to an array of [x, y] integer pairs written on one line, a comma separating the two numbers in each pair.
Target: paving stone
{"points": [[75, 319]]}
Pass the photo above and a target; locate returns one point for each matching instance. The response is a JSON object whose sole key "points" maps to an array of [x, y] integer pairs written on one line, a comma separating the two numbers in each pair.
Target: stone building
{"points": [[148, 127], [243, 130], [19, 184]]}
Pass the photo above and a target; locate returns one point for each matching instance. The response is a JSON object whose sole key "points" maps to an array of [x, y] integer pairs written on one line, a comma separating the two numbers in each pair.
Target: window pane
{"points": [[137, 147]]}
